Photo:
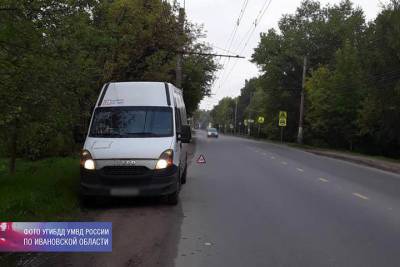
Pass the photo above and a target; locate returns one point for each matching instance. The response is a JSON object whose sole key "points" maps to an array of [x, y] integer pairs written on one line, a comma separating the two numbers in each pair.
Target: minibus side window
{"points": [[178, 120]]}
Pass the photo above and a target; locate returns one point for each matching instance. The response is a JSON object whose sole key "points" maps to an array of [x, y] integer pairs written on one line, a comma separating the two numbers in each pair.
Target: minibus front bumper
{"points": [[129, 182]]}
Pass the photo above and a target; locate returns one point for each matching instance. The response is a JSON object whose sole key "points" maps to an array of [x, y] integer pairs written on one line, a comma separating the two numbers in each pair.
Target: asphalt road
{"points": [[257, 204], [260, 204]]}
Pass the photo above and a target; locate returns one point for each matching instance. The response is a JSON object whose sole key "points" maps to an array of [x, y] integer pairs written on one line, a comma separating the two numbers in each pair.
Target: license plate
{"points": [[124, 192]]}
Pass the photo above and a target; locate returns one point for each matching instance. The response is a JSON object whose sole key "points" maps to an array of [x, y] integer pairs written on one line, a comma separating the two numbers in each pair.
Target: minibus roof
{"points": [[135, 94]]}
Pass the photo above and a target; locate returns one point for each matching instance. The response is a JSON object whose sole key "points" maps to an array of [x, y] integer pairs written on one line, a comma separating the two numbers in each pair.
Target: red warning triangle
{"points": [[201, 159]]}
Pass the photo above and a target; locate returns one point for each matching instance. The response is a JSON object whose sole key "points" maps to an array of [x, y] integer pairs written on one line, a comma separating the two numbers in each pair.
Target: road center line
{"points": [[323, 180], [300, 170], [360, 196]]}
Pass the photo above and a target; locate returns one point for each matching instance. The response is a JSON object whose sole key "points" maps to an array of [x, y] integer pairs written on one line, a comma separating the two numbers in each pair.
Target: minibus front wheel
{"points": [[173, 198]]}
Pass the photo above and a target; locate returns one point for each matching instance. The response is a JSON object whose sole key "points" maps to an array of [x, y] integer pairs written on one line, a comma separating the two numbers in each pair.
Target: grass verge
{"points": [[44, 190], [345, 152]]}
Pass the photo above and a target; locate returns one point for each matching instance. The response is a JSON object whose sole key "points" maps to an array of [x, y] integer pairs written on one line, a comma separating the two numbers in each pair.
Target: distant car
{"points": [[212, 132]]}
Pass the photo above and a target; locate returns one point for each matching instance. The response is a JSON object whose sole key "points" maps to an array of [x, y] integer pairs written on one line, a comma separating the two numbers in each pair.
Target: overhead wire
{"points": [[250, 33], [232, 37]]}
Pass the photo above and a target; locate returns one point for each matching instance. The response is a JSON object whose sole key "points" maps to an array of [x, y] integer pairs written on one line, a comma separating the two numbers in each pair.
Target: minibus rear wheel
{"points": [[183, 179]]}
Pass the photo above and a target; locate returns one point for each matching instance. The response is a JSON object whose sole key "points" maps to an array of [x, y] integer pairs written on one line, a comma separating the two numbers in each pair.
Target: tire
{"points": [[173, 198], [184, 175]]}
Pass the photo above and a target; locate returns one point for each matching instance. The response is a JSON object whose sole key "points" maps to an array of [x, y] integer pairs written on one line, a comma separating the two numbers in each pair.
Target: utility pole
{"points": [[250, 113], [300, 133], [181, 20], [236, 106]]}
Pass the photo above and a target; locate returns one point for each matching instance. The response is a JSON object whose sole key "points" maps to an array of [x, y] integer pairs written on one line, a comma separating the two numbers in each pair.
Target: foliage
{"points": [[201, 119], [55, 56], [353, 79], [223, 114], [334, 99]]}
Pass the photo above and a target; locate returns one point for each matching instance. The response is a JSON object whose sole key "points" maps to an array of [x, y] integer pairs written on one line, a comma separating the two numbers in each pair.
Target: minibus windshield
{"points": [[131, 122]]}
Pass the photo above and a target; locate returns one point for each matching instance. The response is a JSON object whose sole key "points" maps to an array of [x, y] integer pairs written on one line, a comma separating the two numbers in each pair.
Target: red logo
{"points": [[201, 159]]}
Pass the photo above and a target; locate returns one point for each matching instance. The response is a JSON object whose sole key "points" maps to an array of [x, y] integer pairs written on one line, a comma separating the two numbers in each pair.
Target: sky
{"points": [[219, 17]]}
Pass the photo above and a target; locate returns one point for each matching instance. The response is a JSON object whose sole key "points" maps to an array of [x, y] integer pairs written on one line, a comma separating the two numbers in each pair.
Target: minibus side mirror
{"points": [[185, 135]]}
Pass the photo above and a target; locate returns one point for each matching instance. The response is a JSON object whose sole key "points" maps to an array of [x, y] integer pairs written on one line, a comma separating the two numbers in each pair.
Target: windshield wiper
{"points": [[107, 135], [150, 134]]}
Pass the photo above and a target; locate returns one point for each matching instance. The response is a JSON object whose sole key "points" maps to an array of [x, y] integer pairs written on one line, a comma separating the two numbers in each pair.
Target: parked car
{"points": [[212, 132], [135, 144]]}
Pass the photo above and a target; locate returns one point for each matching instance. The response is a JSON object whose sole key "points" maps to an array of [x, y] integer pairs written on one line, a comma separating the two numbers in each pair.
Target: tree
{"points": [[353, 84], [313, 31], [56, 55], [223, 114], [380, 113], [198, 76], [334, 99]]}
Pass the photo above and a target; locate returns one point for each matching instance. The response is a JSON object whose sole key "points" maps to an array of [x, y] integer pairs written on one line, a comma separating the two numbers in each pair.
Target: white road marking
{"points": [[323, 180], [284, 162], [300, 170], [272, 157], [264, 154], [360, 196], [207, 244]]}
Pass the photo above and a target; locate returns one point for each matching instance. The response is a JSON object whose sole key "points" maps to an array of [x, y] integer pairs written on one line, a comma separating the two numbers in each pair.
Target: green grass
{"points": [[324, 148], [45, 190], [348, 152]]}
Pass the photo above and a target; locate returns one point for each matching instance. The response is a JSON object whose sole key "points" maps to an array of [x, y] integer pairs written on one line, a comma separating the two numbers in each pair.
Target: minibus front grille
{"points": [[125, 170]]}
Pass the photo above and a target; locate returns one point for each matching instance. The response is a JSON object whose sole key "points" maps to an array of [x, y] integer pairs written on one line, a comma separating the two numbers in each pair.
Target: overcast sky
{"points": [[219, 18]]}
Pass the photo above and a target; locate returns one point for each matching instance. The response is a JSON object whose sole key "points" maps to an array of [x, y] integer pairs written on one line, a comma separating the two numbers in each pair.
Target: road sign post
{"points": [[260, 120], [282, 122]]}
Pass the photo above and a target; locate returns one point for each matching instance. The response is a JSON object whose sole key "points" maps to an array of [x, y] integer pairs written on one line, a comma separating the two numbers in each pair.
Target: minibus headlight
{"points": [[87, 161], [89, 164], [165, 160]]}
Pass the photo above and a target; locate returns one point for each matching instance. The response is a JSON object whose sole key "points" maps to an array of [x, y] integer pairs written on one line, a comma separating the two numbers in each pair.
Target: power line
{"points": [[232, 36], [208, 54], [258, 19], [243, 9], [220, 48], [256, 22], [235, 29]]}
